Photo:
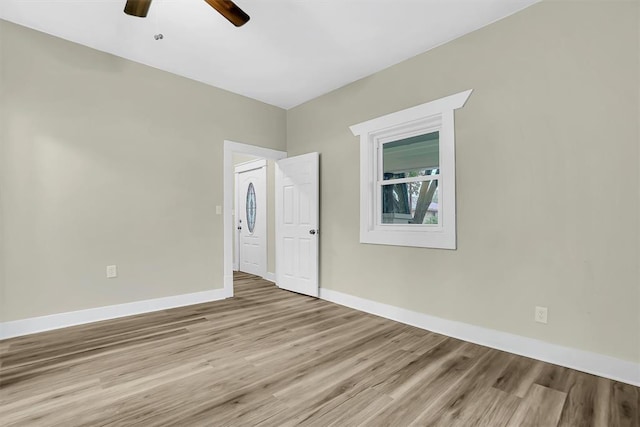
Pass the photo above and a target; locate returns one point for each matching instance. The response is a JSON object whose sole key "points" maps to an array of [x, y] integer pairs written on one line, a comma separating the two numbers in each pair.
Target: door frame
{"points": [[251, 165], [228, 180]]}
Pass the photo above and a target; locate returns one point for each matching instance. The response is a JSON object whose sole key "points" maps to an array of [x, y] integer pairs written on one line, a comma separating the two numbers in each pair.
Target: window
{"points": [[407, 176], [251, 208]]}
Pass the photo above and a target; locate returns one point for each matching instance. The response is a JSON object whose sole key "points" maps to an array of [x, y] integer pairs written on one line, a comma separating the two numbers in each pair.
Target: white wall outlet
{"points": [[218, 210], [112, 271], [541, 315]]}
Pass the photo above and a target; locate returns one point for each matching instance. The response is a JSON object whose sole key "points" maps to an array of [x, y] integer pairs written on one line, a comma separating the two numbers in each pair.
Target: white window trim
{"points": [[429, 117]]}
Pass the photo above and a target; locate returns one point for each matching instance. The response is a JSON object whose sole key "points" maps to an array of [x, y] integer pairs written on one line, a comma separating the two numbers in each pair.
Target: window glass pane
{"points": [[411, 157], [411, 203], [251, 207]]}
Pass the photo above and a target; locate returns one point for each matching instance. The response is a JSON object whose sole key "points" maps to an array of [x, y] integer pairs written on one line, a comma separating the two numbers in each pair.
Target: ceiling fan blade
{"points": [[229, 10], [138, 8]]}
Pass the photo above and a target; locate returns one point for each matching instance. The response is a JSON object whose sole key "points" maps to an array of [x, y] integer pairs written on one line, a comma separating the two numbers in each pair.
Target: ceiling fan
{"points": [[226, 8]]}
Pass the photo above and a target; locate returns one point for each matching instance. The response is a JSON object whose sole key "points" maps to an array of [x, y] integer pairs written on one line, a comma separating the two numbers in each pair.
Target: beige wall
{"points": [[547, 170], [104, 161]]}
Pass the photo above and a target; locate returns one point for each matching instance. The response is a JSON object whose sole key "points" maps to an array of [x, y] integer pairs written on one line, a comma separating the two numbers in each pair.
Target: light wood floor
{"points": [[274, 358]]}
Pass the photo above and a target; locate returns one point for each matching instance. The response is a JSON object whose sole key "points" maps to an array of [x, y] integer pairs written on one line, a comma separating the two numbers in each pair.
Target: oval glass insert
{"points": [[251, 207]]}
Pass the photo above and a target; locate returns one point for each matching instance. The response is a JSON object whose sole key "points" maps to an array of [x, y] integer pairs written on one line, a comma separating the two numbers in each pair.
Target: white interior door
{"points": [[297, 212], [251, 217]]}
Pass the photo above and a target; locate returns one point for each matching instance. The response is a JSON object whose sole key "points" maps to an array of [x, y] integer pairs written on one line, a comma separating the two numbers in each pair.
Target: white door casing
{"points": [[297, 220], [229, 149], [251, 217]]}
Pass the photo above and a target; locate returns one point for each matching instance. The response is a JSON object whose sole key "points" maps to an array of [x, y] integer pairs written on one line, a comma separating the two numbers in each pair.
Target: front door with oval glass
{"points": [[250, 217]]}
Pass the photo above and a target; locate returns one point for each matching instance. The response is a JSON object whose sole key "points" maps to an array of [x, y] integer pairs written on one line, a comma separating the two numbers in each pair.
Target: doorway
{"points": [[295, 217], [250, 216], [248, 152]]}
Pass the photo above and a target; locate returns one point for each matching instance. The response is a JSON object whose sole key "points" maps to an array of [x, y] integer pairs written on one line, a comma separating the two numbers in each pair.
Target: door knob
{"points": [[312, 231]]}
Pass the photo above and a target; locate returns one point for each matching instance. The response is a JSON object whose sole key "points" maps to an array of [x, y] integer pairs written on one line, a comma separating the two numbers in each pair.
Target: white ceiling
{"points": [[290, 51]]}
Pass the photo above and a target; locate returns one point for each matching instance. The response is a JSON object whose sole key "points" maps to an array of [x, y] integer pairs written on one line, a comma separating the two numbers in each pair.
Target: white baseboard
{"points": [[592, 363], [33, 325], [270, 277]]}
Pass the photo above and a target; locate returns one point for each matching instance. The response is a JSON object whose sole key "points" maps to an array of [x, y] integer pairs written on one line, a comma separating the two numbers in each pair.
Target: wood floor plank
{"points": [[492, 408], [328, 399], [269, 357], [454, 405], [580, 405], [355, 410], [416, 371], [406, 409], [556, 377], [623, 406], [519, 376], [541, 406]]}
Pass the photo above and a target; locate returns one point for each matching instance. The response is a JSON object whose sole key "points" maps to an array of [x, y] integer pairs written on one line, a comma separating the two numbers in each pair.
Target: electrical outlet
{"points": [[218, 210], [541, 315], [112, 271]]}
